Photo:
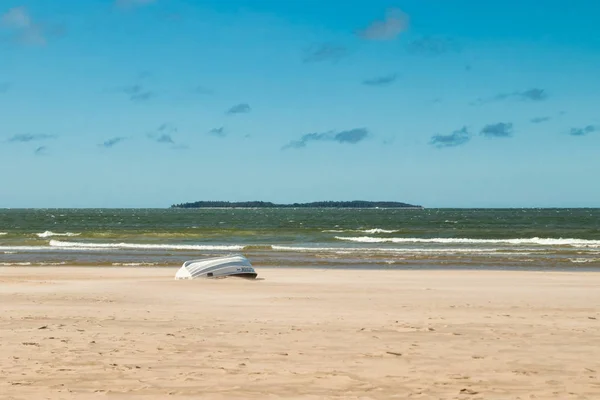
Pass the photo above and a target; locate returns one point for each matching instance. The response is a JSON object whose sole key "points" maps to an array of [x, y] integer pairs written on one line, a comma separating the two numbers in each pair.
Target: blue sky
{"points": [[141, 103]]}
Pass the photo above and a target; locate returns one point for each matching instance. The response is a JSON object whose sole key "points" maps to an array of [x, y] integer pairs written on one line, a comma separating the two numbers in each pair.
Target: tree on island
{"points": [[317, 204]]}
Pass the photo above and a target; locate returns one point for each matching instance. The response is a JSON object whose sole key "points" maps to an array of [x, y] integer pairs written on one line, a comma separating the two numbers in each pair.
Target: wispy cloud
{"points": [[456, 138], [381, 80], [220, 132], [164, 134], [501, 129], [133, 3], [534, 94], [112, 142], [4, 86], [583, 131], [138, 93], [28, 137], [165, 138], [539, 120], [165, 131], [25, 30], [309, 137], [351, 136], [167, 127], [241, 108], [432, 46], [325, 52], [40, 151], [394, 23]]}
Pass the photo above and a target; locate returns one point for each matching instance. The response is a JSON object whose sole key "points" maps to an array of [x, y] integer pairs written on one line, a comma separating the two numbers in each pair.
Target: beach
{"points": [[123, 333]]}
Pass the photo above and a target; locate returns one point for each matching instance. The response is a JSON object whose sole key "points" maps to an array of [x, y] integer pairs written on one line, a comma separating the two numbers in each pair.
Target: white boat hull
{"points": [[220, 267]]}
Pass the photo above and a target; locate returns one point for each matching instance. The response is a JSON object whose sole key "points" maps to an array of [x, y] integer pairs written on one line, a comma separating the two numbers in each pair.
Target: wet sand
{"points": [[129, 333]]}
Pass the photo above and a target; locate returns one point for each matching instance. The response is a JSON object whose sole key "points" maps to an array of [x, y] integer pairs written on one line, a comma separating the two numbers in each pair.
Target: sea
{"points": [[324, 238]]}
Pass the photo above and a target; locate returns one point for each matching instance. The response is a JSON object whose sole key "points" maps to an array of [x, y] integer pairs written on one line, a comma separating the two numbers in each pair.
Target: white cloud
{"points": [[25, 30], [16, 18], [396, 21]]}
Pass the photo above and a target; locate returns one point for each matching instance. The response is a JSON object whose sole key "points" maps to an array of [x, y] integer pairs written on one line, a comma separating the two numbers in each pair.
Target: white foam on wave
{"points": [[50, 234], [56, 245], [3, 233], [25, 264], [350, 250], [20, 264], [140, 246], [371, 231], [18, 249], [134, 264], [530, 241], [584, 260], [377, 230]]}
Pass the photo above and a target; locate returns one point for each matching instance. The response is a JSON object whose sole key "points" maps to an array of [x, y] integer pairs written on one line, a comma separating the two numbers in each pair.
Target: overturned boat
{"points": [[219, 267]]}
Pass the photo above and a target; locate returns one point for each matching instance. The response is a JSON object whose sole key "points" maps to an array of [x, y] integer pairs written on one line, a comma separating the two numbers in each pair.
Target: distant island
{"points": [[316, 204]]}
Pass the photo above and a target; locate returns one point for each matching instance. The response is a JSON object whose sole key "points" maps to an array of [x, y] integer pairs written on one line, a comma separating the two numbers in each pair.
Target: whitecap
{"points": [[50, 234], [134, 264], [584, 260], [350, 250], [20, 264], [43, 248], [61, 244], [378, 230], [371, 231], [530, 241]]}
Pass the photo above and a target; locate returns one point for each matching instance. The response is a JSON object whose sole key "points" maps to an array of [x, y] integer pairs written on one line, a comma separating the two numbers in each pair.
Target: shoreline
{"points": [[374, 268]]}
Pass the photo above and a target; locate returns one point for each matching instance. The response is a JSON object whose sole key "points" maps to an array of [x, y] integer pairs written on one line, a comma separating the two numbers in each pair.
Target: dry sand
{"points": [[124, 333]]}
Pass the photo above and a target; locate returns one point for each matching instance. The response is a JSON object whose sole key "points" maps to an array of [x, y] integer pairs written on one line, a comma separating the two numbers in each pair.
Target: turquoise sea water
{"points": [[390, 238]]}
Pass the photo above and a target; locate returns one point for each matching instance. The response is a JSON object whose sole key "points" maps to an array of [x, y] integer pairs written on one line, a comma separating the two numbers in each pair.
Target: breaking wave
{"points": [[371, 231], [366, 250], [134, 264], [74, 245], [16, 249], [20, 264], [531, 241], [50, 234], [3, 233], [25, 264], [56, 245], [377, 230], [584, 260]]}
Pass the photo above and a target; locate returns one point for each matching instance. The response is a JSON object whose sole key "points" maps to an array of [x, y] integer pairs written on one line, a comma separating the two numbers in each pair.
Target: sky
{"points": [[440, 103]]}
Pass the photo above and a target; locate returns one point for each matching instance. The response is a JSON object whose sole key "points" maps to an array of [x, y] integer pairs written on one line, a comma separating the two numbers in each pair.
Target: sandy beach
{"points": [[128, 333]]}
